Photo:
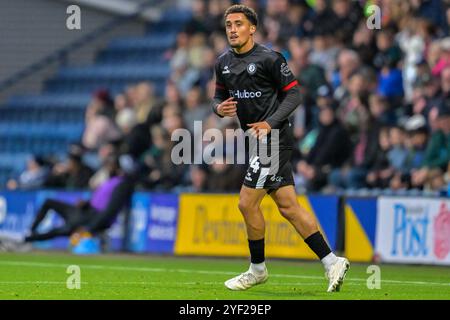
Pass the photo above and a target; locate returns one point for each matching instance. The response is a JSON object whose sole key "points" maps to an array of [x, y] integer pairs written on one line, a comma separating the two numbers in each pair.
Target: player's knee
{"points": [[246, 207], [288, 212]]}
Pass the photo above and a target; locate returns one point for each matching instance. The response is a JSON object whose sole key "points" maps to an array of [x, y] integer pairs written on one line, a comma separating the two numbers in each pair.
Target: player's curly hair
{"points": [[248, 12]]}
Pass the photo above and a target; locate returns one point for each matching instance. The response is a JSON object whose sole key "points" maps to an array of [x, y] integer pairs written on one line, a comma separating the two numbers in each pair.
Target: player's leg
{"points": [[63, 209], [249, 206], [65, 230], [306, 225], [286, 200]]}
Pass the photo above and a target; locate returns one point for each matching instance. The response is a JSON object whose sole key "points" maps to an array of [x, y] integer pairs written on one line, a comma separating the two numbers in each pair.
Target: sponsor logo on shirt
{"points": [[225, 70], [244, 94]]}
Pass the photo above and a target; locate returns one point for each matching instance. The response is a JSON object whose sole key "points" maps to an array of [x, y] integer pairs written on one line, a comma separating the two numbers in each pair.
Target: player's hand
{"points": [[259, 129], [227, 108]]}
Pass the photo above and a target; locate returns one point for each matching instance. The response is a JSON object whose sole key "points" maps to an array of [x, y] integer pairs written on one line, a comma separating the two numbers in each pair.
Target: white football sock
{"points": [[258, 267]]}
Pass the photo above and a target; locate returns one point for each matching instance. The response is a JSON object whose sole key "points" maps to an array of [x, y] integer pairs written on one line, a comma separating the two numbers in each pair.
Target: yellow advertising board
{"points": [[211, 225]]}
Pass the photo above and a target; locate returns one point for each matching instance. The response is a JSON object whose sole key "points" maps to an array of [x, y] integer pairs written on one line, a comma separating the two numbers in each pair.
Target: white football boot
{"points": [[247, 280], [336, 274]]}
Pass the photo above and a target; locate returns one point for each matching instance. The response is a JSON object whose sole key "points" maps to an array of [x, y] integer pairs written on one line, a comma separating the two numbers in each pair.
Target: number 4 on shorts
{"points": [[254, 164]]}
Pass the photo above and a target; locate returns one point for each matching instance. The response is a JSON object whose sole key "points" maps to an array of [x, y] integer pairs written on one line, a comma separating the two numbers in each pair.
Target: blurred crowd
{"points": [[375, 112]]}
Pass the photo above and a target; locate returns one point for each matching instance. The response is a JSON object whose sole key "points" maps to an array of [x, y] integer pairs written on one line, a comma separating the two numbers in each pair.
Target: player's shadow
{"points": [[286, 294]]}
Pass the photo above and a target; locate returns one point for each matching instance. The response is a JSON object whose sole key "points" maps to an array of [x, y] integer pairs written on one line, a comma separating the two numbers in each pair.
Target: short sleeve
{"points": [[220, 84], [282, 74]]}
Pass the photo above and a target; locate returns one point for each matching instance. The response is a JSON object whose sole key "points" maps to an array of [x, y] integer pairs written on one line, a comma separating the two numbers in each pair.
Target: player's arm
{"points": [[223, 105], [288, 85]]}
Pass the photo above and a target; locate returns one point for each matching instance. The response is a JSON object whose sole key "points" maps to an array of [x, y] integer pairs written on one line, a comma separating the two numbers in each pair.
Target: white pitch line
{"points": [[145, 269], [103, 283]]}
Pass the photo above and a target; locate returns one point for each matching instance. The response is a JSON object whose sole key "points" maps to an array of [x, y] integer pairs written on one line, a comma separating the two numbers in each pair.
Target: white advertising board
{"points": [[413, 230]]}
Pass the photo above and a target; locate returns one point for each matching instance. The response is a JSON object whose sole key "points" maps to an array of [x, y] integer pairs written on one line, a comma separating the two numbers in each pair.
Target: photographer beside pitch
{"points": [[264, 93]]}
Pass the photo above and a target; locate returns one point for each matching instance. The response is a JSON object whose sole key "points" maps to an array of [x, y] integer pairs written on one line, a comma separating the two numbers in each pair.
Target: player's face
{"points": [[239, 29]]}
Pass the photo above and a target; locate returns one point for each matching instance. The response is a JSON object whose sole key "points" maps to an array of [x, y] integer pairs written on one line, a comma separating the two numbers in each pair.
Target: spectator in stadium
{"points": [[91, 216], [71, 174], [144, 100], [224, 177], [179, 58], [172, 119], [354, 110], [121, 102], [381, 172], [352, 174], [416, 143], [218, 43], [324, 98], [293, 24], [445, 83], [310, 76], [388, 53], [443, 56], [197, 180], [104, 153], [380, 110], [135, 136], [413, 48], [348, 62], [391, 83], [325, 49], [437, 155], [364, 44], [199, 21], [331, 148], [206, 71], [161, 172], [126, 119], [397, 153], [432, 11], [172, 96], [433, 94], [33, 177], [324, 19], [195, 108], [197, 49], [99, 121], [213, 20], [348, 14]]}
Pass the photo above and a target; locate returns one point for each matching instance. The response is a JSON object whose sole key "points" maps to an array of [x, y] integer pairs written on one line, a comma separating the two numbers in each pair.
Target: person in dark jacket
{"points": [[353, 174], [381, 171], [331, 149]]}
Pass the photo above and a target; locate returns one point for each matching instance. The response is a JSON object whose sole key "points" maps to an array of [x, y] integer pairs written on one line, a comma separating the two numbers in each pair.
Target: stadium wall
{"points": [[383, 229]]}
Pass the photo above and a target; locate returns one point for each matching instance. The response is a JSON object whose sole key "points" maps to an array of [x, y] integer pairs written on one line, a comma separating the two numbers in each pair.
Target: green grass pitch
{"points": [[40, 275]]}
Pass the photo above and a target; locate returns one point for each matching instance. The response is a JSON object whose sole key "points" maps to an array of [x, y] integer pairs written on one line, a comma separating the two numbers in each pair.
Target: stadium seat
{"points": [[26, 119]]}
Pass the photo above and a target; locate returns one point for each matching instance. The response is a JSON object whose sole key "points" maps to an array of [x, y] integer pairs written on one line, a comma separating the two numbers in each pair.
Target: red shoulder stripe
{"points": [[290, 85]]}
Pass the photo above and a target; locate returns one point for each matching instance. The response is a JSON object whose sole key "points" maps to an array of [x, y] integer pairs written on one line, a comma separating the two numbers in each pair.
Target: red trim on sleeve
{"points": [[290, 85], [218, 85]]}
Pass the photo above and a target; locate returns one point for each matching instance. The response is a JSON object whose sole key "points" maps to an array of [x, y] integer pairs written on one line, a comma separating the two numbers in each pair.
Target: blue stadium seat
{"points": [[47, 123]]}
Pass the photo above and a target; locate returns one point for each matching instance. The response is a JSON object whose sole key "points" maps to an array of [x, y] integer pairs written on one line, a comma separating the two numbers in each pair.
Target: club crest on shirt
{"points": [[251, 68], [284, 69]]}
